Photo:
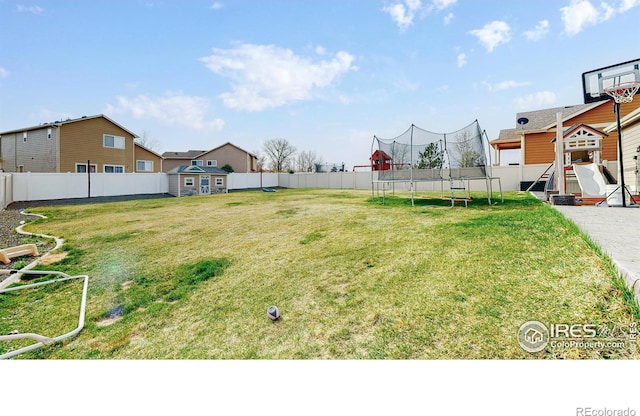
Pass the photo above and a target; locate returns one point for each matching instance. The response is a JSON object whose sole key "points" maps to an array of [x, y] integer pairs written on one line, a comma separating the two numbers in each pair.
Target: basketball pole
{"points": [[616, 107]]}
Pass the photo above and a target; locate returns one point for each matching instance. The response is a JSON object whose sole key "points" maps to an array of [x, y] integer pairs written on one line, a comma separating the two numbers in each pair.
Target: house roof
{"points": [[197, 170], [147, 149], [67, 121], [546, 118], [629, 119], [506, 136], [231, 144], [192, 154], [189, 154]]}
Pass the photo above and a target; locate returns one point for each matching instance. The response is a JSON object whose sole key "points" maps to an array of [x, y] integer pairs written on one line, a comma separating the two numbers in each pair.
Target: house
{"points": [[536, 130], [67, 146], [188, 180], [239, 159], [630, 129]]}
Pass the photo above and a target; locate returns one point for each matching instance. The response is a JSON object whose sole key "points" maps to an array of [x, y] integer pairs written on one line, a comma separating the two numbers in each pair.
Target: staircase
{"points": [[545, 175]]}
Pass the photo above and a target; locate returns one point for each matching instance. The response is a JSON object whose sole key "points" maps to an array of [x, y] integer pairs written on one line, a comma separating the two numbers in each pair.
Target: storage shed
{"points": [[197, 180]]}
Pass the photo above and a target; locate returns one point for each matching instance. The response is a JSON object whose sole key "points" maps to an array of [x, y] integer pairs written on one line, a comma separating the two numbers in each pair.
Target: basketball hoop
{"points": [[623, 93]]}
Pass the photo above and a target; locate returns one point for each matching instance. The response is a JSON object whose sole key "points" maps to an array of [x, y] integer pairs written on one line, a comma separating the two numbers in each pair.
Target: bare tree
{"points": [[147, 141], [279, 152], [467, 156], [261, 161], [307, 160], [400, 155]]}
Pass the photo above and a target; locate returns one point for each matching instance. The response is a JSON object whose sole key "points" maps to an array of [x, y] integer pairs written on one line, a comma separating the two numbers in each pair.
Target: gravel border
{"points": [[11, 218]]}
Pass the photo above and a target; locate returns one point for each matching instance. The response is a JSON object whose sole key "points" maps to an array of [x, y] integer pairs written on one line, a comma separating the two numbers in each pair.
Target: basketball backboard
{"points": [[594, 82]]}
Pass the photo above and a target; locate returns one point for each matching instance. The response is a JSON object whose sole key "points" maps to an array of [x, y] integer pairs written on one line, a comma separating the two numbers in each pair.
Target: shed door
{"points": [[204, 184]]}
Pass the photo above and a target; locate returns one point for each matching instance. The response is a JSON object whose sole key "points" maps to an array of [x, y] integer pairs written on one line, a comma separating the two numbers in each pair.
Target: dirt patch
{"points": [[108, 321], [126, 285], [53, 258]]}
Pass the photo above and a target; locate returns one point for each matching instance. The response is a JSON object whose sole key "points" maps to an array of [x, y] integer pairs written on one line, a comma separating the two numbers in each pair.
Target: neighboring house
{"points": [[188, 180], [630, 128], [534, 138], [174, 159], [227, 154], [67, 146], [146, 159]]}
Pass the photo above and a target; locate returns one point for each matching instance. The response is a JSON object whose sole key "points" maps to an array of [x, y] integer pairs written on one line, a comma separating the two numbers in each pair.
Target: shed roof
{"points": [[380, 154], [193, 169]]}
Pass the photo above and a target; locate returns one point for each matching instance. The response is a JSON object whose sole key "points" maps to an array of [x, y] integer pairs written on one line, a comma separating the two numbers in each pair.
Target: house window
{"points": [[144, 165], [213, 163], [115, 142], [196, 163], [188, 181], [82, 168], [24, 137], [113, 169], [219, 181], [49, 133]]}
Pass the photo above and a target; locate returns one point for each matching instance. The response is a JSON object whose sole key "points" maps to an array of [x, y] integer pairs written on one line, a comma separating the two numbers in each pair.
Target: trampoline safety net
{"points": [[421, 155]]}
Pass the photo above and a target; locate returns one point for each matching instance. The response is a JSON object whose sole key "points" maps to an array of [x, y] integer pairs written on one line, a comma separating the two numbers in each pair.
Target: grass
{"points": [[353, 278]]}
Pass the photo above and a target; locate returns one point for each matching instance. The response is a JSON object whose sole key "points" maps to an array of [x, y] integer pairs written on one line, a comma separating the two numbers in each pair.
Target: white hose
{"points": [[16, 274], [43, 340]]}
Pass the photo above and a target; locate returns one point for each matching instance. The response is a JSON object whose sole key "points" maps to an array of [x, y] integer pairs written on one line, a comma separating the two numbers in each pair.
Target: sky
{"points": [[325, 75]]}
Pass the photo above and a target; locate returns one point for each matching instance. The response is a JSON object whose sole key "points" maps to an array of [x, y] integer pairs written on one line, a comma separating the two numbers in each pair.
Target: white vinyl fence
{"points": [[48, 186], [6, 190], [332, 180], [251, 180], [45, 186]]}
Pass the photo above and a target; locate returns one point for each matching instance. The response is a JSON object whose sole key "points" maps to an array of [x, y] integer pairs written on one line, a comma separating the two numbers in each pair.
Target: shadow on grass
{"points": [[478, 201]]}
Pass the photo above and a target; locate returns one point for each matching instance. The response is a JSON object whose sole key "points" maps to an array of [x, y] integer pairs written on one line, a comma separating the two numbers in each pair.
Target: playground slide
{"points": [[590, 180]]}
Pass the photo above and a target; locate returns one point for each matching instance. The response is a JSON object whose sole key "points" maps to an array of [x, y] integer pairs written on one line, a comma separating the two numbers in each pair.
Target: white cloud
{"points": [[448, 18], [29, 9], [540, 31], [267, 76], [537, 100], [403, 12], [216, 6], [462, 60], [580, 14], [4, 73], [505, 85], [493, 34], [626, 5], [443, 4], [172, 108]]}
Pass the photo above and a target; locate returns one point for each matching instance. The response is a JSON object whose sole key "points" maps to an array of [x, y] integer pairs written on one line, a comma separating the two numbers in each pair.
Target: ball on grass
{"points": [[273, 312]]}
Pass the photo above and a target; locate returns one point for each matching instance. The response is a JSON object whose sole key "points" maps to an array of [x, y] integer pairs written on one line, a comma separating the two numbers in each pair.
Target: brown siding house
{"points": [[67, 146], [239, 159], [538, 133]]}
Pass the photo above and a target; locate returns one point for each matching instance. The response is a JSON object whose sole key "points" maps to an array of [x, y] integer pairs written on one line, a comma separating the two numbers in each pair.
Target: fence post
{"points": [[3, 192]]}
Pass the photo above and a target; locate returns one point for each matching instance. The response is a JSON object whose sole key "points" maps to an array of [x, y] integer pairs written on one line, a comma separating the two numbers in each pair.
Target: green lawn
{"points": [[354, 279]]}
